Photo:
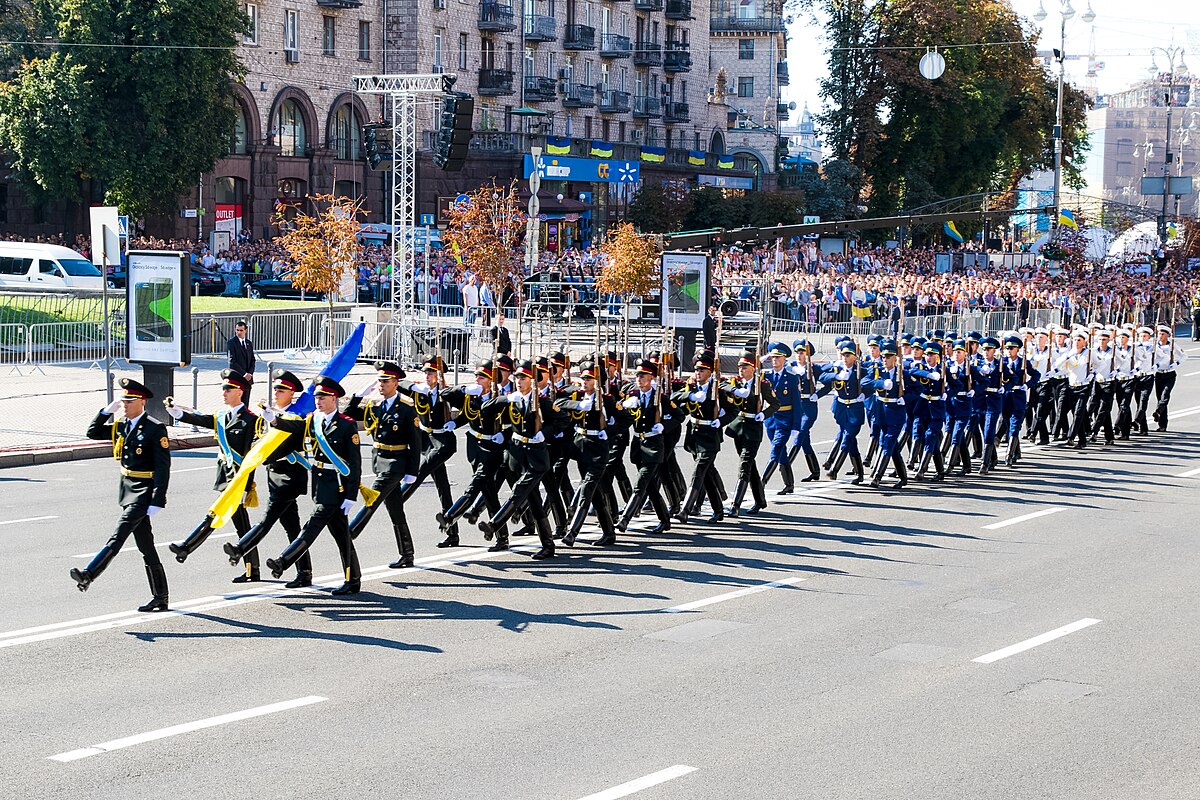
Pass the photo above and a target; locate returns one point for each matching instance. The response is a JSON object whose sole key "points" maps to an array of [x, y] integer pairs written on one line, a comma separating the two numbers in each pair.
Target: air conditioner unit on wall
{"points": [[292, 56]]}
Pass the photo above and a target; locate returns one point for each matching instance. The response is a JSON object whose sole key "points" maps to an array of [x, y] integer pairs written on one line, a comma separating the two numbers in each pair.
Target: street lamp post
{"points": [[1066, 12], [1170, 53]]}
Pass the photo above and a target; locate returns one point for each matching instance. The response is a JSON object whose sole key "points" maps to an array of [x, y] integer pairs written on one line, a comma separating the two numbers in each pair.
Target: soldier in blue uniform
{"points": [[838, 342], [914, 433], [780, 423], [989, 387], [871, 408], [1017, 377], [960, 394], [975, 358], [885, 378], [846, 381], [805, 408], [931, 409]]}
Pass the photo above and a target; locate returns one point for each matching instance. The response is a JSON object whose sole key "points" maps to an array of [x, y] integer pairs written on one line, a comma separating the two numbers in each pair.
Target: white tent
{"points": [[1138, 240]]}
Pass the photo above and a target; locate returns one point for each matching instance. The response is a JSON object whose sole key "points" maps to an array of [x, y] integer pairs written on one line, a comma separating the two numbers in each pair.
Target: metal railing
{"points": [[70, 343]]}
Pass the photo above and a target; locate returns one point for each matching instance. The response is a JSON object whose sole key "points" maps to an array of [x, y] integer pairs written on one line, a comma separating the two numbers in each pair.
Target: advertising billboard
{"points": [[158, 304], [685, 289]]}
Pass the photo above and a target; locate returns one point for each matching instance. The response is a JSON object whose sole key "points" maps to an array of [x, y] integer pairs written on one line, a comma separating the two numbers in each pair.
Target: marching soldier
{"points": [[845, 379], [1104, 369], [990, 374], [1125, 383], [236, 428], [590, 416], [700, 398], [618, 433], [1017, 378], [649, 406], [886, 379], [287, 482], [671, 480], [872, 414], [960, 394], [1041, 358], [1077, 365], [751, 400], [141, 447], [805, 408], [331, 445], [931, 409], [1167, 359], [785, 387], [392, 424], [1143, 377], [435, 421], [556, 425]]}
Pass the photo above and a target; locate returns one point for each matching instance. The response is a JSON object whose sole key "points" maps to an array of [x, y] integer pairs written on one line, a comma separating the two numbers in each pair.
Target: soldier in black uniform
{"points": [[527, 459], [648, 405], [485, 451], [435, 421], [752, 399], [618, 434], [700, 398], [585, 405], [560, 379], [502, 384], [395, 456], [141, 447], [557, 427], [287, 482], [236, 428], [331, 444]]}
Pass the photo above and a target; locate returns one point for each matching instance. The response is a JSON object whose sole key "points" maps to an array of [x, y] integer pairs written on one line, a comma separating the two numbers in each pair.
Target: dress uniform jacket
{"points": [[234, 439], [393, 428], [144, 453], [334, 455]]}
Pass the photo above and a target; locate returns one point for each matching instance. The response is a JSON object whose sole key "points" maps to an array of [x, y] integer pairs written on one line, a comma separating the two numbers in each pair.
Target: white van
{"points": [[29, 265]]}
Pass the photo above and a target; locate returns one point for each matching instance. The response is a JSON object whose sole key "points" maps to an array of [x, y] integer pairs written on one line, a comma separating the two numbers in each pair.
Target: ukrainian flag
{"points": [[697, 158], [1172, 230], [724, 162], [952, 232], [558, 145], [1067, 217], [601, 149], [655, 154]]}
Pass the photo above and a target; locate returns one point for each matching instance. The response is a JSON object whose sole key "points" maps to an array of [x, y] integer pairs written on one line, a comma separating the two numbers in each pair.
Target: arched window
{"points": [[293, 138], [238, 146], [346, 189], [346, 131]]}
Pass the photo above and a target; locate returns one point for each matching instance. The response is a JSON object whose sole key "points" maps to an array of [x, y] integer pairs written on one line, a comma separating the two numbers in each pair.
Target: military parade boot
{"points": [[664, 515], [624, 485], [759, 492], [451, 539], [901, 472], [472, 515], [795, 451], [632, 508], [349, 587], [857, 462], [939, 463], [925, 459], [301, 580], [789, 479], [837, 465], [608, 535], [769, 471], [501, 543], [976, 443], [502, 516], [83, 577], [577, 518], [459, 507], [158, 587], [404, 543], [945, 446], [542, 524], [693, 499], [870, 459], [251, 575], [739, 494], [833, 454], [237, 550], [914, 456], [290, 554], [878, 473], [718, 514], [1010, 457], [196, 538], [965, 450], [814, 467]]}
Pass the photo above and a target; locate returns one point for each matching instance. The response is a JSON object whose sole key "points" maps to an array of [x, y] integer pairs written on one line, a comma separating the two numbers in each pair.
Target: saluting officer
{"points": [[751, 401], [391, 423], [236, 428], [331, 444], [141, 447], [287, 482], [586, 406]]}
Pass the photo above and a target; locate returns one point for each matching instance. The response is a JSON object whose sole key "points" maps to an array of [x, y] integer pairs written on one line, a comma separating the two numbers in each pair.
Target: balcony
{"points": [[647, 107], [580, 37], [614, 45], [679, 9], [781, 73], [678, 57], [648, 54], [540, 28], [539, 89], [746, 25], [497, 17], [675, 112], [335, 3], [647, 5], [495, 82], [614, 102], [579, 95], [782, 111]]}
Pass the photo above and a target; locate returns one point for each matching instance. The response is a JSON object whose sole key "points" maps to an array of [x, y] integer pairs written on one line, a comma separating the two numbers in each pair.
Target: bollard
{"points": [[111, 380], [195, 392], [456, 366], [270, 372]]}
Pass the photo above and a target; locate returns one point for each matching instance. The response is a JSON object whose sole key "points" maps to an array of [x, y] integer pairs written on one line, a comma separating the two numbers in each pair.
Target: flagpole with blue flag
{"points": [[950, 230]]}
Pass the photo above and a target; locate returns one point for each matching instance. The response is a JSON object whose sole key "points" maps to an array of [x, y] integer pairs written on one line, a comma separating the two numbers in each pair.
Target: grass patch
{"points": [[32, 310], [208, 305]]}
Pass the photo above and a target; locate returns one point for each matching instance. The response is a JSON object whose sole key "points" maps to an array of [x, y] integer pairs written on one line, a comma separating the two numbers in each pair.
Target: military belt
{"points": [[783, 408], [747, 414], [523, 439], [993, 391], [137, 473], [890, 401], [479, 435], [390, 447], [586, 432], [848, 402], [933, 397]]}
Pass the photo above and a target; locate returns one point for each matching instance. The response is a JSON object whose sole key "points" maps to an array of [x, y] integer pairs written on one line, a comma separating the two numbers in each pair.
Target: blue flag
{"points": [[952, 232], [338, 367]]}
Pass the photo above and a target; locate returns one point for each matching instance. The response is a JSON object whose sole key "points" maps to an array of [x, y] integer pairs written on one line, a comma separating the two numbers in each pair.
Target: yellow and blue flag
{"points": [[952, 232], [724, 162], [655, 154], [697, 158], [1067, 217], [601, 149], [1172, 230], [558, 145]]}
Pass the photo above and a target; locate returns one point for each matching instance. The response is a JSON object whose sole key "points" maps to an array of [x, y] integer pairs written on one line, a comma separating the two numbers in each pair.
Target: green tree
{"points": [[134, 95], [655, 209], [831, 193]]}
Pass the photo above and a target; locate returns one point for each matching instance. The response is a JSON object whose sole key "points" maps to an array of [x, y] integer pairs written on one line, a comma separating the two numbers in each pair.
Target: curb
{"points": [[56, 455]]}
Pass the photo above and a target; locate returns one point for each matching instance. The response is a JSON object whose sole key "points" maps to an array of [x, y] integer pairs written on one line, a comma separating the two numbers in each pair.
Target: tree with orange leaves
{"points": [[483, 235], [628, 267], [323, 247]]}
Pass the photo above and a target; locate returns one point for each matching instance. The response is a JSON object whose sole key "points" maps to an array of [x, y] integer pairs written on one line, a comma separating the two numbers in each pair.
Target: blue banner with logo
{"points": [[588, 170]]}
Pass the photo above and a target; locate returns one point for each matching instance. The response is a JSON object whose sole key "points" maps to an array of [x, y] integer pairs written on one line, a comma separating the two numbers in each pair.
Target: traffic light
{"points": [[370, 145], [454, 135]]}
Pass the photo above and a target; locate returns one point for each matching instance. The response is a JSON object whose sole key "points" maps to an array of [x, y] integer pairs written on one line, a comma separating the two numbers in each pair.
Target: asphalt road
{"points": [[880, 664]]}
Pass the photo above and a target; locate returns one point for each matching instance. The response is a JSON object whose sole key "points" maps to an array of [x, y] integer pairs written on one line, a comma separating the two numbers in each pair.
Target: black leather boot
{"points": [[925, 459], [301, 580], [768, 472], [837, 465], [789, 479], [494, 524], [158, 588], [814, 467], [196, 538], [739, 494], [857, 463], [939, 464], [83, 577], [878, 473], [900, 470]]}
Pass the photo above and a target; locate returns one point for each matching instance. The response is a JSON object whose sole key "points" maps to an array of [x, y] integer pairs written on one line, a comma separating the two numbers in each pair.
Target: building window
{"points": [[746, 49], [462, 51], [251, 34], [346, 189], [364, 41], [291, 30], [745, 87], [328, 36], [238, 147], [293, 138], [438, 34], [346, 131]]}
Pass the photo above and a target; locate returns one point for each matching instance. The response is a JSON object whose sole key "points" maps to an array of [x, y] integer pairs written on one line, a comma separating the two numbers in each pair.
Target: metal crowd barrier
{"points": [[14, 344]]}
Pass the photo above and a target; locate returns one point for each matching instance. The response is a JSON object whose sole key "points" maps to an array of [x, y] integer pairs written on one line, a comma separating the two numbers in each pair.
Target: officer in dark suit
{"points": [[700, 398], [241, 355], [648, 405], [395, 457], [709, 328], [287, 482], [589, 415], [752, 401], [236, 429], [141, 447], [331, 444]]}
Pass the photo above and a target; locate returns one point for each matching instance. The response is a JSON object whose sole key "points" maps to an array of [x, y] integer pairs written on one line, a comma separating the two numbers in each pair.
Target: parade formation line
{"points": [[1029, 644], [637, 785], [995, 526]]}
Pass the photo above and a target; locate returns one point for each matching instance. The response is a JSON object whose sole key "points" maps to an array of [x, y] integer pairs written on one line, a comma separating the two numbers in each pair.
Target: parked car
{"points": [[29, 265], [204, 281], [281, 287]]}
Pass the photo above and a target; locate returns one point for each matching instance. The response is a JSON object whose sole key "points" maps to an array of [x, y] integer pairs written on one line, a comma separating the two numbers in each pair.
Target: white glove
{"points": [[603, 436], [514, 397], [474, 390], [970, 393], [861, 397], [268, 413], [366, 390], [656, 428], [888, 384], [630, 403], [449, 427], [112, 407], [409, 480], [586, 403], [759, 417], [812, 398], [538, 438], [900, 401], [498, 438], [714, 423], [742, 392], [346, 506], [174, 413], [794, 369], [698, 397], [421, 388], [152, 510]]}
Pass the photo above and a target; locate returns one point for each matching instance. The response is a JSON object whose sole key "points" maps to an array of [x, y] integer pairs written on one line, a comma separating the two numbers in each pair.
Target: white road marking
{"points": [[191, 469], [1178, 415], [1049, 636], [635, 786], [731, 595], [1023, 518], [131, 548], [187, 727], [26, 519], [1190, 473], [1191, 374]]}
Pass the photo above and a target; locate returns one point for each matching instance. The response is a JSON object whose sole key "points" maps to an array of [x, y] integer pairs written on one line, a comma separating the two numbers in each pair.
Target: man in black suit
{"points": [[709, 327], [500, 335], [241, 356]]}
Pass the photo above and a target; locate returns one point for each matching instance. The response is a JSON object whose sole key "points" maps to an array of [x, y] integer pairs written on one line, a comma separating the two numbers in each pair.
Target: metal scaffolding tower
{"points": [[404, 92]]}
